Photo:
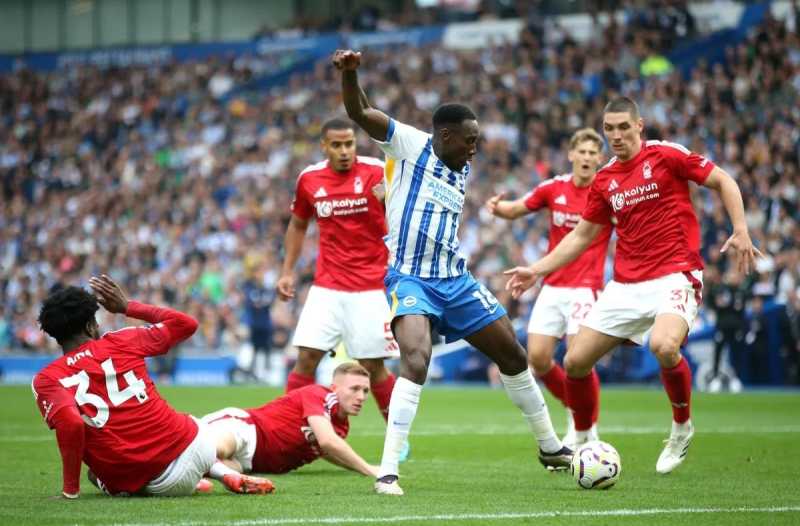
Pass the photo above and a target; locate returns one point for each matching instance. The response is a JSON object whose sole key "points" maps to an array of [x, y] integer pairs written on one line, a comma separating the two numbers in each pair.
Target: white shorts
{"points": [[560, 310], [360, 320], [628, 310], [238, 423], [183, 474]]}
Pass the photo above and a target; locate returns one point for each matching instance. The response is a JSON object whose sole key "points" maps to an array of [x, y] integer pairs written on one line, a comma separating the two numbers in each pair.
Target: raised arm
{"points": [[336, 450], [740, 241], [171, 326], [572, 246], [293, 244], [372, 121]]}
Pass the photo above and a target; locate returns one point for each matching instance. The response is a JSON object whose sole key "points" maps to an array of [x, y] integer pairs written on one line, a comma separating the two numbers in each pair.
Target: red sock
{"points": [[383, 394], [582, 400], [678, 385], [296, 381], [555, 380], [596, 388]]}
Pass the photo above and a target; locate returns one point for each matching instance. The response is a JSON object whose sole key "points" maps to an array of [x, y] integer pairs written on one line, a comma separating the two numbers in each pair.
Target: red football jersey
{"points": [[131, 433], [284, 439], [657, 228], [566, 202], [352, 253]]}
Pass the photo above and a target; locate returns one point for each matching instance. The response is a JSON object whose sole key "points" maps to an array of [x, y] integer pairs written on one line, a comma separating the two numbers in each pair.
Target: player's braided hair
{"points": [[452, 113], [66, 312]]}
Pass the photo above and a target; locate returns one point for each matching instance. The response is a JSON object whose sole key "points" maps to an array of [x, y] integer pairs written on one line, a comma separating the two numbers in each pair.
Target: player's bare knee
{"points": [[575, 366], [541, 363], [512, 362], [414, 364], [665, 344], [667, 350]]}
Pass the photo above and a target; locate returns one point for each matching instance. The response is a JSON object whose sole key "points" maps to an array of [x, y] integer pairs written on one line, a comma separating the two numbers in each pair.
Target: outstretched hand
{"points": [[745, 252], [109, 294], [346, 59], [522, 278], [491, 203]]}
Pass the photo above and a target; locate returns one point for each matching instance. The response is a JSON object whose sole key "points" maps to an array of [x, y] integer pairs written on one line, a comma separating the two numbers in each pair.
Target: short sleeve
{"points": [[539, 197], [301, 206], [688, 164], [403, 141], [313, 402], [50, 397], [597, 209]]}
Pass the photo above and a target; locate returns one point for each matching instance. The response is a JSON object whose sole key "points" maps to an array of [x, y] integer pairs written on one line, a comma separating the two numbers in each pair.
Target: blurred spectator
{"points": [[259, 295], [727, 298]]}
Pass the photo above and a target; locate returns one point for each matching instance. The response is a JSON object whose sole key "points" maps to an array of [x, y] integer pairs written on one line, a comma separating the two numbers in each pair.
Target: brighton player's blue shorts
{"points": [[457, 307]]}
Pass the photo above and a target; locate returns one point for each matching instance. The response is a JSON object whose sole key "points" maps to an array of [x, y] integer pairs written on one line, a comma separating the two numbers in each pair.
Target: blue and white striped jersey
{"points": [[424, 202]]}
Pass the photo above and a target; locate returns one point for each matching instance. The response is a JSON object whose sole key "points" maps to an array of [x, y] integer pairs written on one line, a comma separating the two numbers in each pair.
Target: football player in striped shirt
{"points": [[427, 280]]}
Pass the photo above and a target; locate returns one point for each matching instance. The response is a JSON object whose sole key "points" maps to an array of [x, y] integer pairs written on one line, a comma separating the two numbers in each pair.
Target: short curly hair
{"points": [[66, 312]]}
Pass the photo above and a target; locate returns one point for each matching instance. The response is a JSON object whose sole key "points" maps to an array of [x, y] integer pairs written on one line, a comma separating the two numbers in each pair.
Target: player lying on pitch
{"points": [[295, 429], [105, 409]]}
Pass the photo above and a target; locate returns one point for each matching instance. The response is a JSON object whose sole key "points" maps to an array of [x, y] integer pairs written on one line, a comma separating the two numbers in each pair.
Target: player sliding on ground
{"points": [[303, 425], [657, 266], [427, 279], [105, 409], [568, 294]]}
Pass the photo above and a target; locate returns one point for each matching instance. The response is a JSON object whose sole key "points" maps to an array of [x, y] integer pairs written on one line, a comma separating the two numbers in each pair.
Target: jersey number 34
{"points": [[136, 388]]}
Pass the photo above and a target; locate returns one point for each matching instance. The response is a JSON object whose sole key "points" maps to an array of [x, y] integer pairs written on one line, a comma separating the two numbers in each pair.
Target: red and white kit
{"points": [[658, 268], [132, 440], [347, 301], [276, 437], [569, 293]]}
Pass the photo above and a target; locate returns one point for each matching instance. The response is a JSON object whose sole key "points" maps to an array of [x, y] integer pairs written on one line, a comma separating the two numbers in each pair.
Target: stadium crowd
{"points": [[180, 192]]}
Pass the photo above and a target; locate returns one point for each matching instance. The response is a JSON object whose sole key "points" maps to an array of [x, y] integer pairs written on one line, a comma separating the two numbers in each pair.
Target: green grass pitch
{"points": [[473, 462]]}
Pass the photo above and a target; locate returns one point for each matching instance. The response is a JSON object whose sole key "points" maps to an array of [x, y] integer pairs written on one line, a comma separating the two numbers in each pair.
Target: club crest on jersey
{"points": [[409, 301], [647, 172], [358, 186]]}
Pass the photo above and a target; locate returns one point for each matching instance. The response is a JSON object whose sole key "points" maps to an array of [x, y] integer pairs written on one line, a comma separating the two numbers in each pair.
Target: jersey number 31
{"points": [[136, 388]]}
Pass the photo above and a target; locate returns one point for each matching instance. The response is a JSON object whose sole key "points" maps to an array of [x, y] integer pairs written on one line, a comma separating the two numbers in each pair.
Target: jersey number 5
{"points": [[136, 388]]}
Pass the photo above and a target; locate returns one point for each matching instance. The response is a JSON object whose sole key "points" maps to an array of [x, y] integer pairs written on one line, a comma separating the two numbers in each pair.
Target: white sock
{"points": [[681, 429], [525, 394], [570, 422], [219, 470], [402, 410], [592, 434]]}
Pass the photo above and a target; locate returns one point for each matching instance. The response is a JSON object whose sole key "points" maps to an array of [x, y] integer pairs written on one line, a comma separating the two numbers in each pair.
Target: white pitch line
{"points": [[509, 430], [476, 516], [622, 430]]}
